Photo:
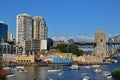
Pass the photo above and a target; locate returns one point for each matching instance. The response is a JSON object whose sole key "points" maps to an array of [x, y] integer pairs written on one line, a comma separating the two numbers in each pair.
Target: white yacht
{"points": [[74, 67]]}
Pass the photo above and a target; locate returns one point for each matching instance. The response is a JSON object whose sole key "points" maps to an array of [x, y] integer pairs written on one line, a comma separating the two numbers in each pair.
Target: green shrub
{"points": [[0, 65], [116, 74]]}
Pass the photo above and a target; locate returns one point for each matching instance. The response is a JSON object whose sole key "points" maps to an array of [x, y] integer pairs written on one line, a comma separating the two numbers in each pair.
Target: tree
{"points": [[62, 47], [72, 49]]}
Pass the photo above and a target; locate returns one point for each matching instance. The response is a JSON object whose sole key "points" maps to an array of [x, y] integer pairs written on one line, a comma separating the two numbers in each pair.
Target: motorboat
{"points": [[60, 73], [14, 69], [86, 77], [109, 76], [11, 75], [54, 70], [22, 70], [97, 70], [87, 67], [20, 67], [95, 66], [84, 74], [49, 78], [74, 67], [6, 68], [105, 73]]}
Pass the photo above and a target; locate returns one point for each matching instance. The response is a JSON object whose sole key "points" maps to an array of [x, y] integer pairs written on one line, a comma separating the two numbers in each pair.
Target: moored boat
{"points": [[97, 70], [105, 73], [74, 67], [49, 78], [86, 77], [54, 70]]}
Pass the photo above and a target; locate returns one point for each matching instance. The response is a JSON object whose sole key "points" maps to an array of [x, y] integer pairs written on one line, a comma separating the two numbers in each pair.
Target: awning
{"points": [[4, 73]]}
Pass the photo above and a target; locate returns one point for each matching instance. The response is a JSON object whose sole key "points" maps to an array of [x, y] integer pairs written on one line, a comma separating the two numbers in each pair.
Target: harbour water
{"points": [[41, 73]]}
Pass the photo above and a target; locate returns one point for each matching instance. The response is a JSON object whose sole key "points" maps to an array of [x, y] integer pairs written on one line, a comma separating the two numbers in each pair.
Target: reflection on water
{"points": [[40, 73]]}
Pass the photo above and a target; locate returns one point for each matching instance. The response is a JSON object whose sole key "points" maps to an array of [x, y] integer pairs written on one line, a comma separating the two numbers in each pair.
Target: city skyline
{"points": [[28, 27], [66, 18]]}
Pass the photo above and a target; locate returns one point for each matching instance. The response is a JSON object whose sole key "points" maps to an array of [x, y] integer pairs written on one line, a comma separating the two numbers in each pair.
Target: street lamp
{"points": [[68, 49]]}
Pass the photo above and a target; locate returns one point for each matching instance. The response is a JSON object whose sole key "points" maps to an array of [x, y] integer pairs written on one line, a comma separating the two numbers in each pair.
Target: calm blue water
{"points": [[40, 73]]}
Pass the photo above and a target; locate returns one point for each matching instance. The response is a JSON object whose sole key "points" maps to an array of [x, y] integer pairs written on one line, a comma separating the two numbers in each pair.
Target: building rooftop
{"points": [[40, 17], [23, 14]]}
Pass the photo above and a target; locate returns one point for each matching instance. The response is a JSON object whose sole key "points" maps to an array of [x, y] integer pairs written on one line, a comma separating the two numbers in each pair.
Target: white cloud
{"points": [[80, 38], [84, 38], [76, 38], [59, 38]]}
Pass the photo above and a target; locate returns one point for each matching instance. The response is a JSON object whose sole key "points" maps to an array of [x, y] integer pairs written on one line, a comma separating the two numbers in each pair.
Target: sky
{"points": [[66, 18]]}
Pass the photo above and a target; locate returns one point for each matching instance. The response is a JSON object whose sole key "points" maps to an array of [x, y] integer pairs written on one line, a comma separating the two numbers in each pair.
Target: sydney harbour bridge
{"points": [[112, 44]]}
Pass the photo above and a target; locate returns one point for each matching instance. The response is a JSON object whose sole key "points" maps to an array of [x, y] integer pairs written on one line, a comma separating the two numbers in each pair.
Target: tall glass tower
{"points": [[3, 31]]}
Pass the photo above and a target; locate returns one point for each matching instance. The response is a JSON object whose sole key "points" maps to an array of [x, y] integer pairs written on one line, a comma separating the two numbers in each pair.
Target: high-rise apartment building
{"points": [[23, 27], [3, 31], [29, 31], [39, 28]]}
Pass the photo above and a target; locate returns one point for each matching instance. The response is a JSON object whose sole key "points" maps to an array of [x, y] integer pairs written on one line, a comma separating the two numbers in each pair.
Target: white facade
{"points": [[9, 57], [43, 44], [23, 27], [39, 28]]}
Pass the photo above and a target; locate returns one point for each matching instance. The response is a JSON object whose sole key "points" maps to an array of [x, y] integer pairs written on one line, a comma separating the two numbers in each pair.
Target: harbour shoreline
{"points": [[65, 64]]}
